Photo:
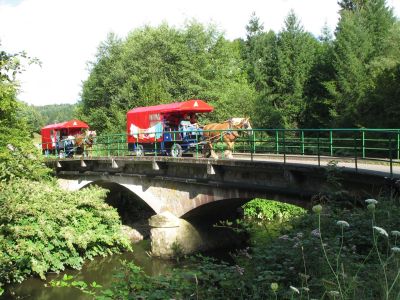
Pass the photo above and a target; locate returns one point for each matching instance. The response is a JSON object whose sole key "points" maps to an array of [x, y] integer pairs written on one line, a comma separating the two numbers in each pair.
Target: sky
{"points": [[64, 34]]}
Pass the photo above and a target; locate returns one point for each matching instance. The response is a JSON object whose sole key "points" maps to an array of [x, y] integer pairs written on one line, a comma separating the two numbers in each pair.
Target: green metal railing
{"points": [[380, 145]]}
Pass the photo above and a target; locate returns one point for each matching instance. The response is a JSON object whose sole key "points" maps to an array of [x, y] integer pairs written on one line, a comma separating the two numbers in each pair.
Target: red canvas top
{"points": [[68, 124], [196, 106]]}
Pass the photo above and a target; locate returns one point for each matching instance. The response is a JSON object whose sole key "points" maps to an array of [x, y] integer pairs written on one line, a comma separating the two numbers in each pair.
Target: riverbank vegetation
{"points": [[336, 251], [43, 228]]}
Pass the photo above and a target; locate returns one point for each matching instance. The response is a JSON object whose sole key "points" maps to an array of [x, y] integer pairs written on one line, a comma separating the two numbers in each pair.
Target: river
{"points": [[100, 270]]}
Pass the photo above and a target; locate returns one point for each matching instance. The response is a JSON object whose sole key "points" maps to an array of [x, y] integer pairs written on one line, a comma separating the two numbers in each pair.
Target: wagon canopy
{"points": [[147, 122], [53, 132], [67, 125], [195, 106]]}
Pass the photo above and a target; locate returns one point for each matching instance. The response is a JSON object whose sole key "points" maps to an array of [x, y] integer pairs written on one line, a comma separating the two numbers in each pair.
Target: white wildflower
{"points": [[316, 233], [274, 286], [381, 231], [396, 249], [239, 269], [295, 289], [395, 233], [334, 293], [371, 201], [342, 223], [317, 209]]}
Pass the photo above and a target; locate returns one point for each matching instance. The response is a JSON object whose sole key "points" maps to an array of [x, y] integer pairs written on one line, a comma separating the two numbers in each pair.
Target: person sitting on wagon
{"points": [[193, 120], [184, 125], [69, 146]]}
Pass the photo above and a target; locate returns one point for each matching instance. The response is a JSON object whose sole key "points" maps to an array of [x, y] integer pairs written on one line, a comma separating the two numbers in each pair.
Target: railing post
{"points": [[254, 142], [117, 146], [253, 148], [302, 142], [108, 145], [355, 152], [331, 141], [363, 142], [277, 141], [197, 143], [318, 152], [398, 145], [284, 147], [155, 144], [390, 155]]}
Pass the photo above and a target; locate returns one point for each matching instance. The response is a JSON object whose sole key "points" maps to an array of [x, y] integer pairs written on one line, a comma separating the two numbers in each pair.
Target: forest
{"points": [[288, 79]]}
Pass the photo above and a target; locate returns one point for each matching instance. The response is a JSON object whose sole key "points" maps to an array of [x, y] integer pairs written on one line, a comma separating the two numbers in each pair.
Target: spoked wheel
{"points": [[139, 151], [176, 150]]}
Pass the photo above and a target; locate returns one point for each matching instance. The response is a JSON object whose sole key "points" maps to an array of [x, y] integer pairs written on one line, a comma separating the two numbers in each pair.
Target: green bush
{"points": [[19, 158], [267, 210], [334, 253], [43, 228]]}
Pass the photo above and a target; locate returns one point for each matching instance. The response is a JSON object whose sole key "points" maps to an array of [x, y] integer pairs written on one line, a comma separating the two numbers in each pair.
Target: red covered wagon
{"points": [[166, 128], [54, 135]]}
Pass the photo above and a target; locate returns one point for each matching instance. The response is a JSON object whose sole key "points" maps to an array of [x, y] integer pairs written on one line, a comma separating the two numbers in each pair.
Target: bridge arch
{"points": [[128, 204], [117, 191], [180, 198]]}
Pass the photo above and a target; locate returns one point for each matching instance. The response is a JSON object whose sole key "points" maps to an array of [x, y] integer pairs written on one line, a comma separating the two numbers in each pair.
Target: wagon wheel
{"points": [[176, 150], [139, 150]]}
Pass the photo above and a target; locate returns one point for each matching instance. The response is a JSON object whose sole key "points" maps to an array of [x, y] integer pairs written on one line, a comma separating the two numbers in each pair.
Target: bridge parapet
{"points": [[181, 185]]}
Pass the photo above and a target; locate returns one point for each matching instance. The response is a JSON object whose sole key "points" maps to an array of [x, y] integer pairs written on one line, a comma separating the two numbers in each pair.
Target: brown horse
{"points": [[84, 143], [226, 131]]}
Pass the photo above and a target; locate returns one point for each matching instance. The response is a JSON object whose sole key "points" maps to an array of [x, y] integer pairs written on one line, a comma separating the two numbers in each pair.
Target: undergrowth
{"points": [[43, 228]]}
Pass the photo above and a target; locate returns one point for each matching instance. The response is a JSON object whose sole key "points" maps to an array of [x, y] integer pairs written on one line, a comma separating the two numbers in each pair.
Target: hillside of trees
{"points": [[56, 113], [290, 78], [38, 116]]}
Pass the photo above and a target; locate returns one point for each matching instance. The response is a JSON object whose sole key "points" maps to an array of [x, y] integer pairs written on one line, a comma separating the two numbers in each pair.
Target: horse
{"points": [[84, 143], [227, 131]]}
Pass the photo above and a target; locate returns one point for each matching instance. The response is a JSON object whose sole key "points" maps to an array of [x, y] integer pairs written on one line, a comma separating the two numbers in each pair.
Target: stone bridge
{"points": [[185, 189]]}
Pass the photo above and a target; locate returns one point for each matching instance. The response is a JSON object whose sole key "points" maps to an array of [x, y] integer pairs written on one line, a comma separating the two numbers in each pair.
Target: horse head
{"points": [[242, 123], [90, 136]]}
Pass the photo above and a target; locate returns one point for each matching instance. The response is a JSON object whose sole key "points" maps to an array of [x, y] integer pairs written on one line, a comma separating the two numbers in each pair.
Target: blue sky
{"points": [[64, 34]]}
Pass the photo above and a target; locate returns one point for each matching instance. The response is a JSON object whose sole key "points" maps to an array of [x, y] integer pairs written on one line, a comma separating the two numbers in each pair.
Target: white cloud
{"points": [[64, 34]]}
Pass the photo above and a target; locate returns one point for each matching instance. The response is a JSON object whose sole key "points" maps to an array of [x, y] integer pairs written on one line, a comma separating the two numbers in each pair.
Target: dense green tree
{"points": [[18, 156], [382, 106], [351, 5], [252, 48], [281, 67], [161, 65], [295, 55], [319, 103], [361, 52], [284, 79]]}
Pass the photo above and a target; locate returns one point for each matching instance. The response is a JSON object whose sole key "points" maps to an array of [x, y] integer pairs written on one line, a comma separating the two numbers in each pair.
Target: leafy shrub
{"points": [[334, 254], [19, 158], [267, 210], [43, 228]]}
